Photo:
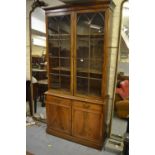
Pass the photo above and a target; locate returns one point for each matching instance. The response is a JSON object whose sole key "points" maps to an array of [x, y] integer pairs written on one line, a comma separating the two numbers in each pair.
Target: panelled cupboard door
{"points": [[59, 114], [87, 121]]}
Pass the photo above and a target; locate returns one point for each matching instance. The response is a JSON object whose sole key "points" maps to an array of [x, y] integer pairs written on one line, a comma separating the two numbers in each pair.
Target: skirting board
{"points": [[115, 146], [75, 139]]}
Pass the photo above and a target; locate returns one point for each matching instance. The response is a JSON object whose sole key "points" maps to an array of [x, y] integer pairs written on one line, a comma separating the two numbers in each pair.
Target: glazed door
{"points": [[87, 121], [59, 53], [89, 53], [59, 114]]}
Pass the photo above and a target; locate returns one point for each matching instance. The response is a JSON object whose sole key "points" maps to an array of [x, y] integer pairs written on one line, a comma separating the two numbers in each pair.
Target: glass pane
{"points": [[83, 51], [65, 82], [55, 81], [54, 63], [82, 85], [59, 52], [82, 65], [90, 34], [64, 64], [54, 48], [95, 87], [95, 66]]}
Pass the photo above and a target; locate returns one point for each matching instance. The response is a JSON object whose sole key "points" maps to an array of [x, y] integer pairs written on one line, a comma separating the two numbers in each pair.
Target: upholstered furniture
{"points": [[122, 99]]}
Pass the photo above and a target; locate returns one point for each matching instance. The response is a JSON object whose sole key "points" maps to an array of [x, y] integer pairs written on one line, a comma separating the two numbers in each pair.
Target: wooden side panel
{"points": [[106, 64], [58, 114], [87, 121]]}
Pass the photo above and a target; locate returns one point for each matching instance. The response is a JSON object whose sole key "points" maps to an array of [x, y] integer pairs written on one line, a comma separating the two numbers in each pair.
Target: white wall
{"points": [[38, 20], [38, 50], [113, 54], [28, 8]]}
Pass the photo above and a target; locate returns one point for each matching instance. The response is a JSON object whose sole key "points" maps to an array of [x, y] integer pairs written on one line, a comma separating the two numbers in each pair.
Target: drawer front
{"points": [[58, 100], [89, 106]]}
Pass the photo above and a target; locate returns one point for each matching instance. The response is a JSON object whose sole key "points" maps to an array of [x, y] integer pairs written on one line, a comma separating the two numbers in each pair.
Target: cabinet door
{"points": [[58, 114], [89, 53], [59, 52], [87, 121]]}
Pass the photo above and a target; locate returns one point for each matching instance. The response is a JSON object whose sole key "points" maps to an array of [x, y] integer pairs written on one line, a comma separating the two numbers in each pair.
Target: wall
{"points": [[123, 67], [38, 20], [113, 53], [38, 50], [28, 8]]}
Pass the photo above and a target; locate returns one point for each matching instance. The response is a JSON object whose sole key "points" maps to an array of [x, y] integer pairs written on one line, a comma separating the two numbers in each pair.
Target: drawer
{"points": [[57, 100], [87, 105]]}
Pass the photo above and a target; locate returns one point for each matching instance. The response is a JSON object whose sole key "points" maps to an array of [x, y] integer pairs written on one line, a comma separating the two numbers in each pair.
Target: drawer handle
{"points": [[86, 105]]}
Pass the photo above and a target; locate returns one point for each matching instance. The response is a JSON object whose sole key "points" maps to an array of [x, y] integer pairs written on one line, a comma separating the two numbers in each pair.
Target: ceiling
{"points": [[54, 2], [50, 2], [62, 2]]}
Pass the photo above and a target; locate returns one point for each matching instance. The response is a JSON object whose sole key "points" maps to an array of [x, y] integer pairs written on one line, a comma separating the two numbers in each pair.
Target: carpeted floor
{"points": [[119, 126], [28, 153], [38, 142]]}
